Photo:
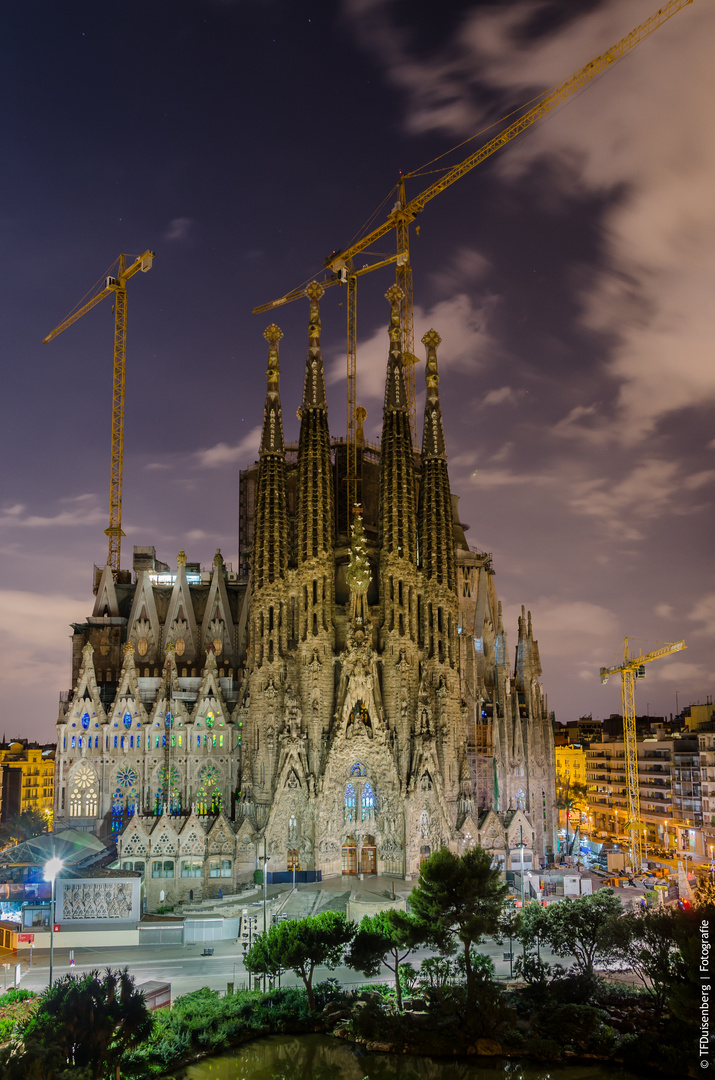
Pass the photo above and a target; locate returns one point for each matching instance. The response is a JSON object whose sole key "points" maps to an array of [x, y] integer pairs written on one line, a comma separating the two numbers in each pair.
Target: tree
{"points": [[531, 931], [647, 943], [385, 938], [459, 899], [301, 945], [23, 826], [569, 795], [583, 927], [92, 1020]]}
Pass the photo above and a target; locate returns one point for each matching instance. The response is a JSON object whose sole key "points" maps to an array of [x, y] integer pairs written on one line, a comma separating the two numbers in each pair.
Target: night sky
{"points": [[571, 278]]}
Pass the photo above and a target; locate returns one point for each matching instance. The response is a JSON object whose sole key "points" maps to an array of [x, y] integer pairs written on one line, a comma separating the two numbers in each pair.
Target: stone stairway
{"points": [[331, 901]]}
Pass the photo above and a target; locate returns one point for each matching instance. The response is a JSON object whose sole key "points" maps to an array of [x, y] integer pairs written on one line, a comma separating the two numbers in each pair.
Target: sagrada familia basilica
{"points": [[345, 703]]}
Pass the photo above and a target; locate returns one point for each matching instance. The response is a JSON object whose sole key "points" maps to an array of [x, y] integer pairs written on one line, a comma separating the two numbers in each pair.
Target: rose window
{"points": [[126, 776]]}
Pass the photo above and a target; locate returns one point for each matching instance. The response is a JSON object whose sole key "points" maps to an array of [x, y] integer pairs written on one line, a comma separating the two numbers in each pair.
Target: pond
{"points": [[322, 1057]]}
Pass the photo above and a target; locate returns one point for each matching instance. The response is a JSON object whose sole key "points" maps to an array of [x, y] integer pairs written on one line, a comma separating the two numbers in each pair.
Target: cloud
{"points": [[215, 457], [34, 649], [80, 511], [505, 395], [179, 228], [466, 344], [467, 267], [704, 612], [666, 611], [649, 491], [639, 137]]}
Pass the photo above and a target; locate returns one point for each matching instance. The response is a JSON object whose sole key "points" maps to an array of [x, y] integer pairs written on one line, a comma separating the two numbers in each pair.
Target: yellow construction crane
{"points": [[117, 287], [632, 668], [405, 211]]}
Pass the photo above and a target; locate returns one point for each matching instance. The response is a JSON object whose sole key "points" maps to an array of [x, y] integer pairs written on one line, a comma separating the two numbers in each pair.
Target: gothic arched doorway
{"points": [[424, 854], [368, 856], [349, 856]]}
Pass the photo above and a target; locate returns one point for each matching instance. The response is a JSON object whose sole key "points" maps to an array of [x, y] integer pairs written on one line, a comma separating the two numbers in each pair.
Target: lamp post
{"points": [[712, 865], [52, 869]]}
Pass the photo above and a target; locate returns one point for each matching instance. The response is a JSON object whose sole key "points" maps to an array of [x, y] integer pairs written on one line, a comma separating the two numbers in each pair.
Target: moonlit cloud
{"points": [[243, 452], [505, 395], [653, 292], [34, 650], [179, 228], [467, 344], [80, 510], [704, 613]]}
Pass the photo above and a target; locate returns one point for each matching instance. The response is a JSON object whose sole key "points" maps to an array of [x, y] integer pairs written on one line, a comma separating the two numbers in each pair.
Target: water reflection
{"points": [[320, 1057]]}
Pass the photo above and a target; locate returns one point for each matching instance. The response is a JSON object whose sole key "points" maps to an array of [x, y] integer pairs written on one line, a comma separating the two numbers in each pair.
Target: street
{"points": [[186, 969]]}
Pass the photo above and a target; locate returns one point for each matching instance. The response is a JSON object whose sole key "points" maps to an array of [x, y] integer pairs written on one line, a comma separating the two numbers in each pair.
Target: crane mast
{"points": [[405, 211], [116, 287], [632, 668]]}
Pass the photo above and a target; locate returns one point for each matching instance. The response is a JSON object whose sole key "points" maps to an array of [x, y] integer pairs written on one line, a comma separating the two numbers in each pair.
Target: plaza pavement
{"points": [[186, 968]]}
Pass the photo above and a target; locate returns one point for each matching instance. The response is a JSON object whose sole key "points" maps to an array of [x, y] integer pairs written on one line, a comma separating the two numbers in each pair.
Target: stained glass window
{"points": [[84, 790], [209, 719], [208, 796], [85, 720], [126, 776], [358, 769], [127, 720], [367, 801], [350, 803]]}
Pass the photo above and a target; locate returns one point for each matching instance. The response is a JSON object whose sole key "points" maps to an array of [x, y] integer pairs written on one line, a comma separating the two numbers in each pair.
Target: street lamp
{"points": [[712, 866], [52, 869]]}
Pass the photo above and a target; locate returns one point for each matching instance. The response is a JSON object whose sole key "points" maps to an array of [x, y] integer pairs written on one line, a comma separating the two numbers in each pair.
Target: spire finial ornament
{"points": [[181, 558], [431, 341], [273, 335], [394, 295], [314, 292]]}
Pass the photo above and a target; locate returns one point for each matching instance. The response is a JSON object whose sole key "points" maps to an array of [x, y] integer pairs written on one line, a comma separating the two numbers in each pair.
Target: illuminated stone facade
{"points": [[345, 698]]}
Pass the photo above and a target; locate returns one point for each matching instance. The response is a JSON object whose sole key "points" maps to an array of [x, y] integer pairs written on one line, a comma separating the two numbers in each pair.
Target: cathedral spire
{"points": [[434, 519], [269, 552], [397, 483], [272, 434], [314, 385], [314, 531], [395, 394]]}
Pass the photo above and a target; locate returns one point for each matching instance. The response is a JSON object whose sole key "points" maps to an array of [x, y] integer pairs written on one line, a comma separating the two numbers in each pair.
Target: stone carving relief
{"points": [[97, 900]]}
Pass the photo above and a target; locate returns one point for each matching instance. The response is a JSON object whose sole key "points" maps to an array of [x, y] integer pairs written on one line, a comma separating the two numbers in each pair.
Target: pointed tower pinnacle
{"points": [[272, 434], [433, 444], [398, 524], [314, 385], [435, 518], [269, 552], [395, 393], [314, 524]]}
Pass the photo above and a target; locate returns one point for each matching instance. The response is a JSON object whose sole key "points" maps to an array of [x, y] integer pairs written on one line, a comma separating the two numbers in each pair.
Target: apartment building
{"points": [[28, 777], [669, 787], [570, 764]]}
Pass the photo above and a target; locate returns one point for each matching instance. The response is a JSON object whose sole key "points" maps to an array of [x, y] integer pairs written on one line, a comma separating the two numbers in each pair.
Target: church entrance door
{"points": [[350, 859], [368, 859]]}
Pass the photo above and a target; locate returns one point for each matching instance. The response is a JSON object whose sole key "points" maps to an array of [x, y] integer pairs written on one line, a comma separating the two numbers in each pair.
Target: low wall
{"points": [[359, 906], [78, 939]]}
